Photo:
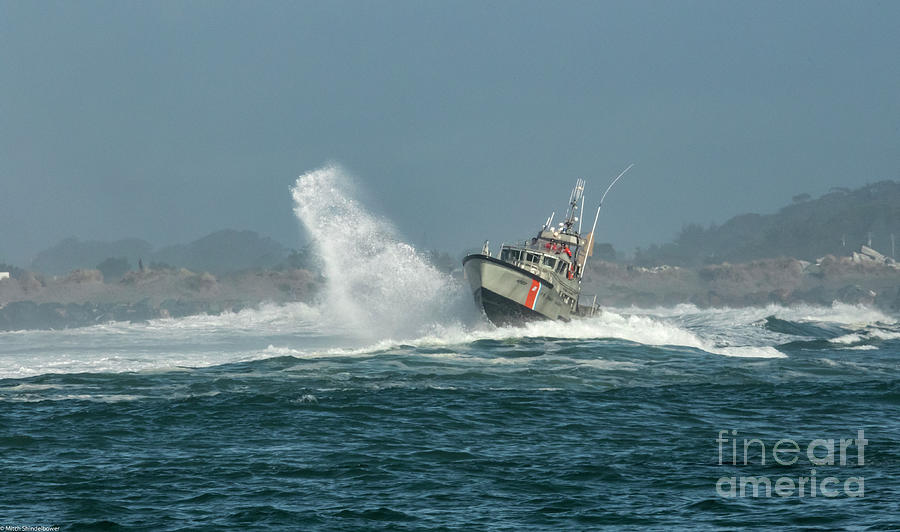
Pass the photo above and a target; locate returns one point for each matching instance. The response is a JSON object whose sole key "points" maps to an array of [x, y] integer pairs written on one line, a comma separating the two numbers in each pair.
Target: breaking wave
{"points": [[380, 288], [638, 329], [381, 295], [376, 284]]}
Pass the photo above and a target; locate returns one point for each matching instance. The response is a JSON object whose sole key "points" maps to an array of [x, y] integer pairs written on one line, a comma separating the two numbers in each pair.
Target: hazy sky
{"points": [[461, 120]]}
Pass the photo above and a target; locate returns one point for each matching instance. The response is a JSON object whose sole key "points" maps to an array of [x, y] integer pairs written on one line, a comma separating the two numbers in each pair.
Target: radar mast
{"points": [[572, 213]]}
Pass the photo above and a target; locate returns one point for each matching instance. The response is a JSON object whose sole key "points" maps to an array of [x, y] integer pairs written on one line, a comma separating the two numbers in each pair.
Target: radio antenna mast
{"points": [[581, 215], [603, 197], [590, 244], [572, 211]]}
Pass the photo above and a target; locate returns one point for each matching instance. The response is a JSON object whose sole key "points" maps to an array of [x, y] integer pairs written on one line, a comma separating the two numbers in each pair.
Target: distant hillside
{"points": [[220, 252], [71, 254], [224, 251], [837, 223]]}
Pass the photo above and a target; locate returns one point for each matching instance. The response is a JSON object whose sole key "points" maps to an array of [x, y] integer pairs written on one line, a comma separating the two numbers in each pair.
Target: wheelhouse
{"points": [[546, 255]]}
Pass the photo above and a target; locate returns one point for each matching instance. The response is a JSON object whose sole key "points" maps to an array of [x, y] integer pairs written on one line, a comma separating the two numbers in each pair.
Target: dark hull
{"points": [[502, 311]]}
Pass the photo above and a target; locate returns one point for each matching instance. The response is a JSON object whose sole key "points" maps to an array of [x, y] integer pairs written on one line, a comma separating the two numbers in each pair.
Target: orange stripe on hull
{"points": [[533, 294]]}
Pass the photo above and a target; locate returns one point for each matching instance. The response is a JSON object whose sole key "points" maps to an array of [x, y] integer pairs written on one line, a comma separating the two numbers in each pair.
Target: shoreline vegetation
{"points": [[813, 251], [855, 280], [84, 297]]}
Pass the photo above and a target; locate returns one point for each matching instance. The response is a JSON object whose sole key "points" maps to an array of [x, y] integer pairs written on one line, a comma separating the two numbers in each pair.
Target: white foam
{"points": [[747, 351], [847, 339], [646, 330], [54, 360], [642, 329], [30, 387], [737, 326], [380, 294], [375, 283], [201, 341], [111, 398], [882, 334], [267, 318], [837, 313], [864, 335]]}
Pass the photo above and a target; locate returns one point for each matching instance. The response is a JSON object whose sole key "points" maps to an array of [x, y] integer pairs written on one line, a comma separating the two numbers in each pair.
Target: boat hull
{"points": [[510, 295]]}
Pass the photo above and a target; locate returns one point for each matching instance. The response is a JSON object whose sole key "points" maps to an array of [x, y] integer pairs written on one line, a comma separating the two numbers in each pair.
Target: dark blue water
{"points": [[607, 423]]}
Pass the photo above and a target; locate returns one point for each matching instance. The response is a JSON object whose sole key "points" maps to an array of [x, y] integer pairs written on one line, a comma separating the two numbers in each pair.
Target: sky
{"points": [[460, 120]]}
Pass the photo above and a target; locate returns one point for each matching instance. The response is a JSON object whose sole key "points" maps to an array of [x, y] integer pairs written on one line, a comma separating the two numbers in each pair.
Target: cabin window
{"points": [[509, 255], [561, 267], [549, 262], [532, 257]]}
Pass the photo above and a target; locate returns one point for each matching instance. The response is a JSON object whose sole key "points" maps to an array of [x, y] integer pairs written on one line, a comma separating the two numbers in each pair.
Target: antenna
{"points": [[574, 198], [603, 197], [581, 218], [590, 244]]}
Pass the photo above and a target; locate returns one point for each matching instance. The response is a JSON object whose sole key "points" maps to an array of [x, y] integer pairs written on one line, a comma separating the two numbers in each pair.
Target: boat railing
{"points": [[591, 310]]}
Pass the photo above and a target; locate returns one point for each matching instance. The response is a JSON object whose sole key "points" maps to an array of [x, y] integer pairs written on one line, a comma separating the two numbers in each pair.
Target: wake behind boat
{"points": [[537, 279]]}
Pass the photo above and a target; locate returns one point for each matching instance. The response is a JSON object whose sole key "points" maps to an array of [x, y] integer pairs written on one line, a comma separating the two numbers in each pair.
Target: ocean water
{"points": [[390, 404]]}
